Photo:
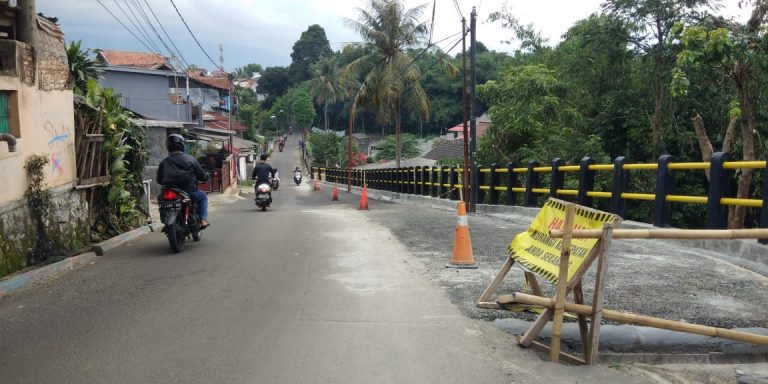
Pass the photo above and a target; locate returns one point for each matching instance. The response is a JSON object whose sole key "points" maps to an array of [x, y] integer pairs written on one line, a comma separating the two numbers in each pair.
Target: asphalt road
{"points": [[307, 292]]}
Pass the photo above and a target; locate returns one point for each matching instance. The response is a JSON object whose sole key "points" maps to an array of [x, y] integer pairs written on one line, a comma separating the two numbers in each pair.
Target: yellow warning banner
{"points": [[539, 252]]}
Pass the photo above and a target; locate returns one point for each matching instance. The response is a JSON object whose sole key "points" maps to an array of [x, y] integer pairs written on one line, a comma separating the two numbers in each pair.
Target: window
{"points": [[5, 117]]}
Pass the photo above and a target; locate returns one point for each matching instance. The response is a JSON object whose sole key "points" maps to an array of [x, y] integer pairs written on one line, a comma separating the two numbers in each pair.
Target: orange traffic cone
{"points": [[462, 244], [335, 194], [317, 186], [364, 199]]}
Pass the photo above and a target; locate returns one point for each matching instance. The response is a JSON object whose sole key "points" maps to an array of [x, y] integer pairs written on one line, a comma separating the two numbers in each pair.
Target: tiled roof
{"points": [[141, 60], [483, 122], [222, 122], [218, 82], [449, 149]]}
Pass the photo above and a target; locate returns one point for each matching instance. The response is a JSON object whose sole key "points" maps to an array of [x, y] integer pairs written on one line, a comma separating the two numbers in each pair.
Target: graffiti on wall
{"points": [[59, 144]]}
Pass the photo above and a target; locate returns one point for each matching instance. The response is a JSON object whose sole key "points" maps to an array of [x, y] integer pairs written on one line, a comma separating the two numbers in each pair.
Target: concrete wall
{"points": [[67, 227], [43, 122], [147, 95]]}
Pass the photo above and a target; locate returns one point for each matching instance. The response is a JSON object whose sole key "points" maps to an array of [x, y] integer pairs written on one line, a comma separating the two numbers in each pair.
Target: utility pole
{"points": [[349, 140], [465, 178], [473, 109]]}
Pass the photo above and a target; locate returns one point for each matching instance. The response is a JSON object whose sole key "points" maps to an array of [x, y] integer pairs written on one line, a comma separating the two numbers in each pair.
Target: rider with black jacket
{"points": [[263, 171], [183, 171]]}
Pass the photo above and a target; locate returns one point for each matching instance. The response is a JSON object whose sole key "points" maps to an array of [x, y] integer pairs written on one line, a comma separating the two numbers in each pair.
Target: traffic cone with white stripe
{"points": [[462, 244], [335, 195]]}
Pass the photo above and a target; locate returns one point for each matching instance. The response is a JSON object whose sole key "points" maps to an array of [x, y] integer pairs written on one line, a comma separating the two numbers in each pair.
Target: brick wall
{"points": [[52, 66]]}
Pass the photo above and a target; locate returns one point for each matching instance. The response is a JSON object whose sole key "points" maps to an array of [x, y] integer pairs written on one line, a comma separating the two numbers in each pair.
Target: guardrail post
{"points": [[481, 181], [424, 181], [311, 172], [665, 185], [320, 174], [411, 180], [557, 178], [586, 181], [453, 180], [443, 182], [620, 185], [494, 184], [434, 189], [512, 182], [418, 185], [717, 214], [531, 182], [764, 210]]}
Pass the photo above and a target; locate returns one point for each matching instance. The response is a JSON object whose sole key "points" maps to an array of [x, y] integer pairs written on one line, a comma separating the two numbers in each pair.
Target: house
{"points": [[148, 85], [36, 118], [483, 123], [251, 83]]}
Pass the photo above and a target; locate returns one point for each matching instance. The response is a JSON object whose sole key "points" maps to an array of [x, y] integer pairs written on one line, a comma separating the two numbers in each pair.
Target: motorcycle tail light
{"points": [[170, 194]]}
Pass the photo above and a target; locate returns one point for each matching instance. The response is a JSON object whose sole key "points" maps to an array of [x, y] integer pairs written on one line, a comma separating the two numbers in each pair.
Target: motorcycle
{"points": [[263, 198], [275, 181], [179, 215], [297, 177]]}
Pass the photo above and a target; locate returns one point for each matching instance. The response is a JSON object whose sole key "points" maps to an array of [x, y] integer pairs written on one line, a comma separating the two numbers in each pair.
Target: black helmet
{"points": [[175, 143]]}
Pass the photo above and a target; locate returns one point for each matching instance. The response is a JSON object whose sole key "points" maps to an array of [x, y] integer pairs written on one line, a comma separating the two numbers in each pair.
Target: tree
{"points": [[311, 47], [651, 22], [302, 109], [738, 54], [248, 70], [81, 67], [324, 147], [274, 82], [390, 79], [324, 86], [532, 120], [409, 147]]}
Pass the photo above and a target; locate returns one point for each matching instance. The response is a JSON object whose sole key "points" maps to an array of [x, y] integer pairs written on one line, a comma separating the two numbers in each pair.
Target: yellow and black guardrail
{"points": [[516, 181]]}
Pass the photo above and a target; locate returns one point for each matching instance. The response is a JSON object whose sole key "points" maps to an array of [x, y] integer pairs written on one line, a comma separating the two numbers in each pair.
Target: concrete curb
{"points": [[107, 245], [26, 279], [661, 346]]}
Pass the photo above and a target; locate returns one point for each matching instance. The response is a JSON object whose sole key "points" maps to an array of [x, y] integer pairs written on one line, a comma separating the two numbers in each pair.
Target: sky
{"points": [[264, 31]]}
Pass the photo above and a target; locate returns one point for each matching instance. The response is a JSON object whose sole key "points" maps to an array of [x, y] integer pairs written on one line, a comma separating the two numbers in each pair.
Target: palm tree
{"points": [[81, 67], [390, 77], [324, 86]]}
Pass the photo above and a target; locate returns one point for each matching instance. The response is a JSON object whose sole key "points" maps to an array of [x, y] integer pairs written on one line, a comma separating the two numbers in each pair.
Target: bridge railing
{"points": [[526, 183]]}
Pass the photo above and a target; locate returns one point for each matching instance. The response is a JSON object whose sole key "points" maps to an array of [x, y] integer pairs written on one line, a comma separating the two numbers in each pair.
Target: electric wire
{"points": [[177, 50], [432, 24], [124, 26], [171, 52], [458, 9], [141, 28], [195, 38], [145, 39]]}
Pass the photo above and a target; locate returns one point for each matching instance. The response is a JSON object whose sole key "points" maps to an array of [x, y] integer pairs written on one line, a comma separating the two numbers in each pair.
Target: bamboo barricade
{"points": [[631, 318], [590, 332], [675, 234]]}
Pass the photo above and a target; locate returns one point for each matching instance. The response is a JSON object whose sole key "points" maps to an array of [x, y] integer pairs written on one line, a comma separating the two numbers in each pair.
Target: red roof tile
{"points": [[222, 122], [141, 60], [218, 82]]}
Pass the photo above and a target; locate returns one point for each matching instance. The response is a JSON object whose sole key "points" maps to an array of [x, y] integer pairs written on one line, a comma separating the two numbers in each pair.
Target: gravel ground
{"points": [[648, 277]]}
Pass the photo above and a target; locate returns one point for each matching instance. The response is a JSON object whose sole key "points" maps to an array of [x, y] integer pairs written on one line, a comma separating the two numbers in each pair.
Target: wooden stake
{"points": [[680, 234], [482, 301], [562, 285], [593, 340], [631, 318]]}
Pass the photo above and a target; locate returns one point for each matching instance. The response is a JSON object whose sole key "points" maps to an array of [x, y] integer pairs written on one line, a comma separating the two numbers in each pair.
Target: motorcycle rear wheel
{"points": [[176, 237]]}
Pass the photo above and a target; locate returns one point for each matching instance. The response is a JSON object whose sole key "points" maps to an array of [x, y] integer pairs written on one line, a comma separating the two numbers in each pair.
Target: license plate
{"points": [[263, 196], [170, 205]]}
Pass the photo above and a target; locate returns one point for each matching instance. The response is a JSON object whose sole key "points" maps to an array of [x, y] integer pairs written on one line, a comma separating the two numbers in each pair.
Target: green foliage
{"points": [[125, 148], [324, 147], [40, 203], [387, 147], [273, 83], [311, 47], [302, 109], [532, 121], [248, 70], [81, 67]]}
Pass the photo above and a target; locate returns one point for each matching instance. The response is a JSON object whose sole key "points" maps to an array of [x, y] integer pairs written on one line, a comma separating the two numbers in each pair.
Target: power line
{"points": [[145, 40], [141, 27], [458, 9], [186, 63], [195, 38], [124, 26], [171, 52]]}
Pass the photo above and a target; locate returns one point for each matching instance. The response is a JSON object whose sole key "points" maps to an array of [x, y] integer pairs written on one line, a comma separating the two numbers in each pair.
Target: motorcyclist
{"points": [[183, 171], [263, 171]]}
